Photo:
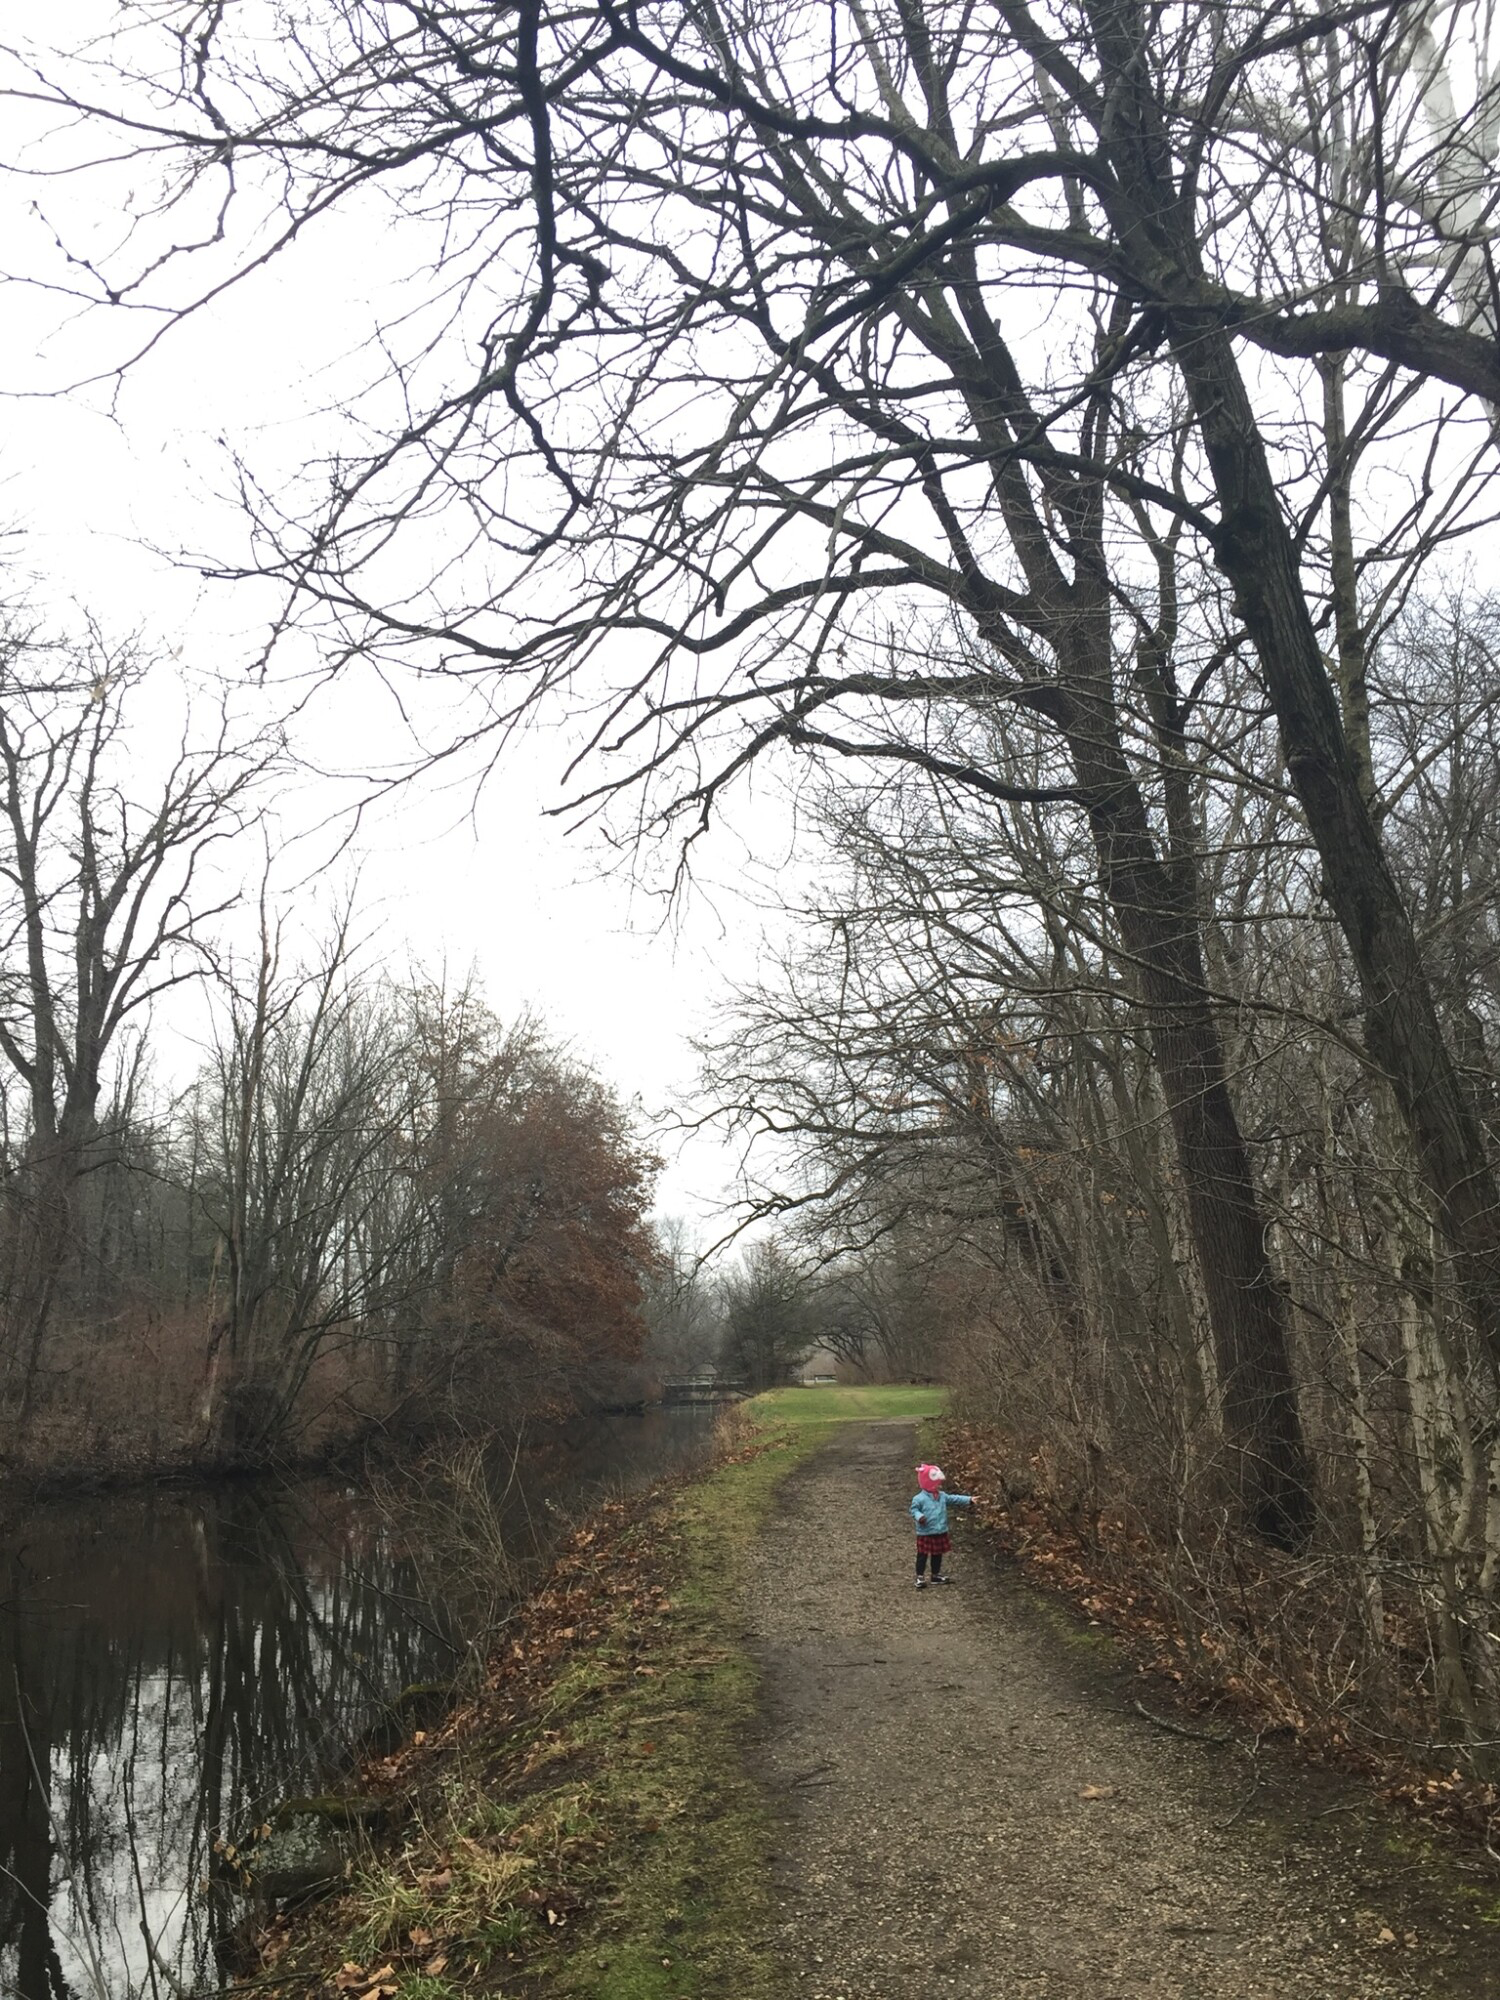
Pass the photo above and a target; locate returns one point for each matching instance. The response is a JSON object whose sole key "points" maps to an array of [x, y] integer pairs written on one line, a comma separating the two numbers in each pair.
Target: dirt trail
{"points": [[929, 1754]]}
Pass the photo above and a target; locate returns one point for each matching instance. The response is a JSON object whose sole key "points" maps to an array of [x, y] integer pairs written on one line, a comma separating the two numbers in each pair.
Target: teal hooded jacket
{"points": [[930, 1510]]}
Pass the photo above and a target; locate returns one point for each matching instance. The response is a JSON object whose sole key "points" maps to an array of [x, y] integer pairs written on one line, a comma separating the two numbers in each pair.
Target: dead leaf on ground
{"points": [[1097, 1792]]}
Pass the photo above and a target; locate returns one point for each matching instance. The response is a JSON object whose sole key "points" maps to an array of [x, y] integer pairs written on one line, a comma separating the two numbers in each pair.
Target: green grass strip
{"points": [[694, 1918], [836, 1404], [697, 1916]]}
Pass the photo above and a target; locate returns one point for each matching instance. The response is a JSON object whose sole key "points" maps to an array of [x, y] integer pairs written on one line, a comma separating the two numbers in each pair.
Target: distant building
{"points": [[823, 1366]]}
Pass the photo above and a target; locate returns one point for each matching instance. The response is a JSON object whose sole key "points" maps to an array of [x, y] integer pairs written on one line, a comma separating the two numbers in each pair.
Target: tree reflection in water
{"points": [[169, 1669], [171, 1666]]}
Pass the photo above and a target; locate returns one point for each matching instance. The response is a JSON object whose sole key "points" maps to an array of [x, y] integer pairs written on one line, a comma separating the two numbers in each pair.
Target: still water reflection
{"points": [[173, 1665]]}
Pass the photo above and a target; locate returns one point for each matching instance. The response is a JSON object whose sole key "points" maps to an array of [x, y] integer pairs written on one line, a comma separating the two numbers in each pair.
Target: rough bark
{"points": [[1246, 1302], [1255, 550], [1401, 1026]]}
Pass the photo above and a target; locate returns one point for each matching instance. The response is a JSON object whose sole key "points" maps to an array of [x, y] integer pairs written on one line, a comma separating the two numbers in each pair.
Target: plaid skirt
{"points": [[934, 1545]]}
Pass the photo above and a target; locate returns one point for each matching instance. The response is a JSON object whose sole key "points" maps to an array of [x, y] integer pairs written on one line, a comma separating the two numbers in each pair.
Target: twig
{"points": [[1181, 1729], [804, 1777], [1256, 1780], [154, 1951], [260, 1985], [1255, 1784], [163, 1967]]}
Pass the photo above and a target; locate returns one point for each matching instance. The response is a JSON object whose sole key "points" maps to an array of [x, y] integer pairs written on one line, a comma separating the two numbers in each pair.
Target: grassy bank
{"points": [[585, 1825]]}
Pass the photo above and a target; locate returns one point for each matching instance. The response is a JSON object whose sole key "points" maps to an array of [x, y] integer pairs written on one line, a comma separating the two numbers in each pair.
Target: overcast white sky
{"points": [[93, 481]]}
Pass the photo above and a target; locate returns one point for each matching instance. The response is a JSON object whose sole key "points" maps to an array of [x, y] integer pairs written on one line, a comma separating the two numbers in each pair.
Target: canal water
{"points": [[174, 1664]]}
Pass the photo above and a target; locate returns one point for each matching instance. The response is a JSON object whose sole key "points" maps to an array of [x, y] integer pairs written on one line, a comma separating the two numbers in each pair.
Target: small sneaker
{"points": [[921, 1583], [942, 1579]]}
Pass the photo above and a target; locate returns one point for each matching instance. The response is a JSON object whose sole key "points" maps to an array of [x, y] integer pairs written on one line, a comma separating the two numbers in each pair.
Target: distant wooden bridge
{"points": [[704, 1389]]}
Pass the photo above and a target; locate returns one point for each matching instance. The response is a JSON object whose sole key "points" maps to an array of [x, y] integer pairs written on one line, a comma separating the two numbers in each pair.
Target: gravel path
{"points": [[970, 1803]]}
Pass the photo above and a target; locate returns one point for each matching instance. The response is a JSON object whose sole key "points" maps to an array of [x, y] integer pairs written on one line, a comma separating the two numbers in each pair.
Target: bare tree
{"points": [[441, 1215], [684, 1332], [769, 1322], [107, 901], [308, 1090]]}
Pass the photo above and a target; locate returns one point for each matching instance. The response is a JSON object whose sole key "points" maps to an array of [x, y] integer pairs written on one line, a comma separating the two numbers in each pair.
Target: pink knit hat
{"points": [[930, 1477]]}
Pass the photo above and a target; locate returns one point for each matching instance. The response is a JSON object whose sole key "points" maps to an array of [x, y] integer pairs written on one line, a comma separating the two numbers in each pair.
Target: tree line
{"points": [[360, 1200], [363, 1202]]}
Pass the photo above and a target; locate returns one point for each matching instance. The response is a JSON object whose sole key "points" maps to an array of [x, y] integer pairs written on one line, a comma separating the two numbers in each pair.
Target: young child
{"points": [[929, 1509]]}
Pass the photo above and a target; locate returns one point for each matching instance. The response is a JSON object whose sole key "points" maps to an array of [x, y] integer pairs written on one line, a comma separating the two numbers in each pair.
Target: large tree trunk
{"points": [[1402, 1030], [1246, 1302], [1153, 898], [1256, 553], [40, 1232], [1159, 930]]}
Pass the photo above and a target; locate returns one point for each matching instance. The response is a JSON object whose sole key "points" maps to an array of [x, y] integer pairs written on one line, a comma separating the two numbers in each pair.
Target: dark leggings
{"points": [[937, 1565]]}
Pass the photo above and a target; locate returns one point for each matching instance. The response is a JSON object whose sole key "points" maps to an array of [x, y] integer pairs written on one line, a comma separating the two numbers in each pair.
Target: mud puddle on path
{"points": [[967, 1804]]}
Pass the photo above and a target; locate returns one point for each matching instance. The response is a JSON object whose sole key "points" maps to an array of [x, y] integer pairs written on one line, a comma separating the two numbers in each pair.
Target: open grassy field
{"points": [[840, 1405]]}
